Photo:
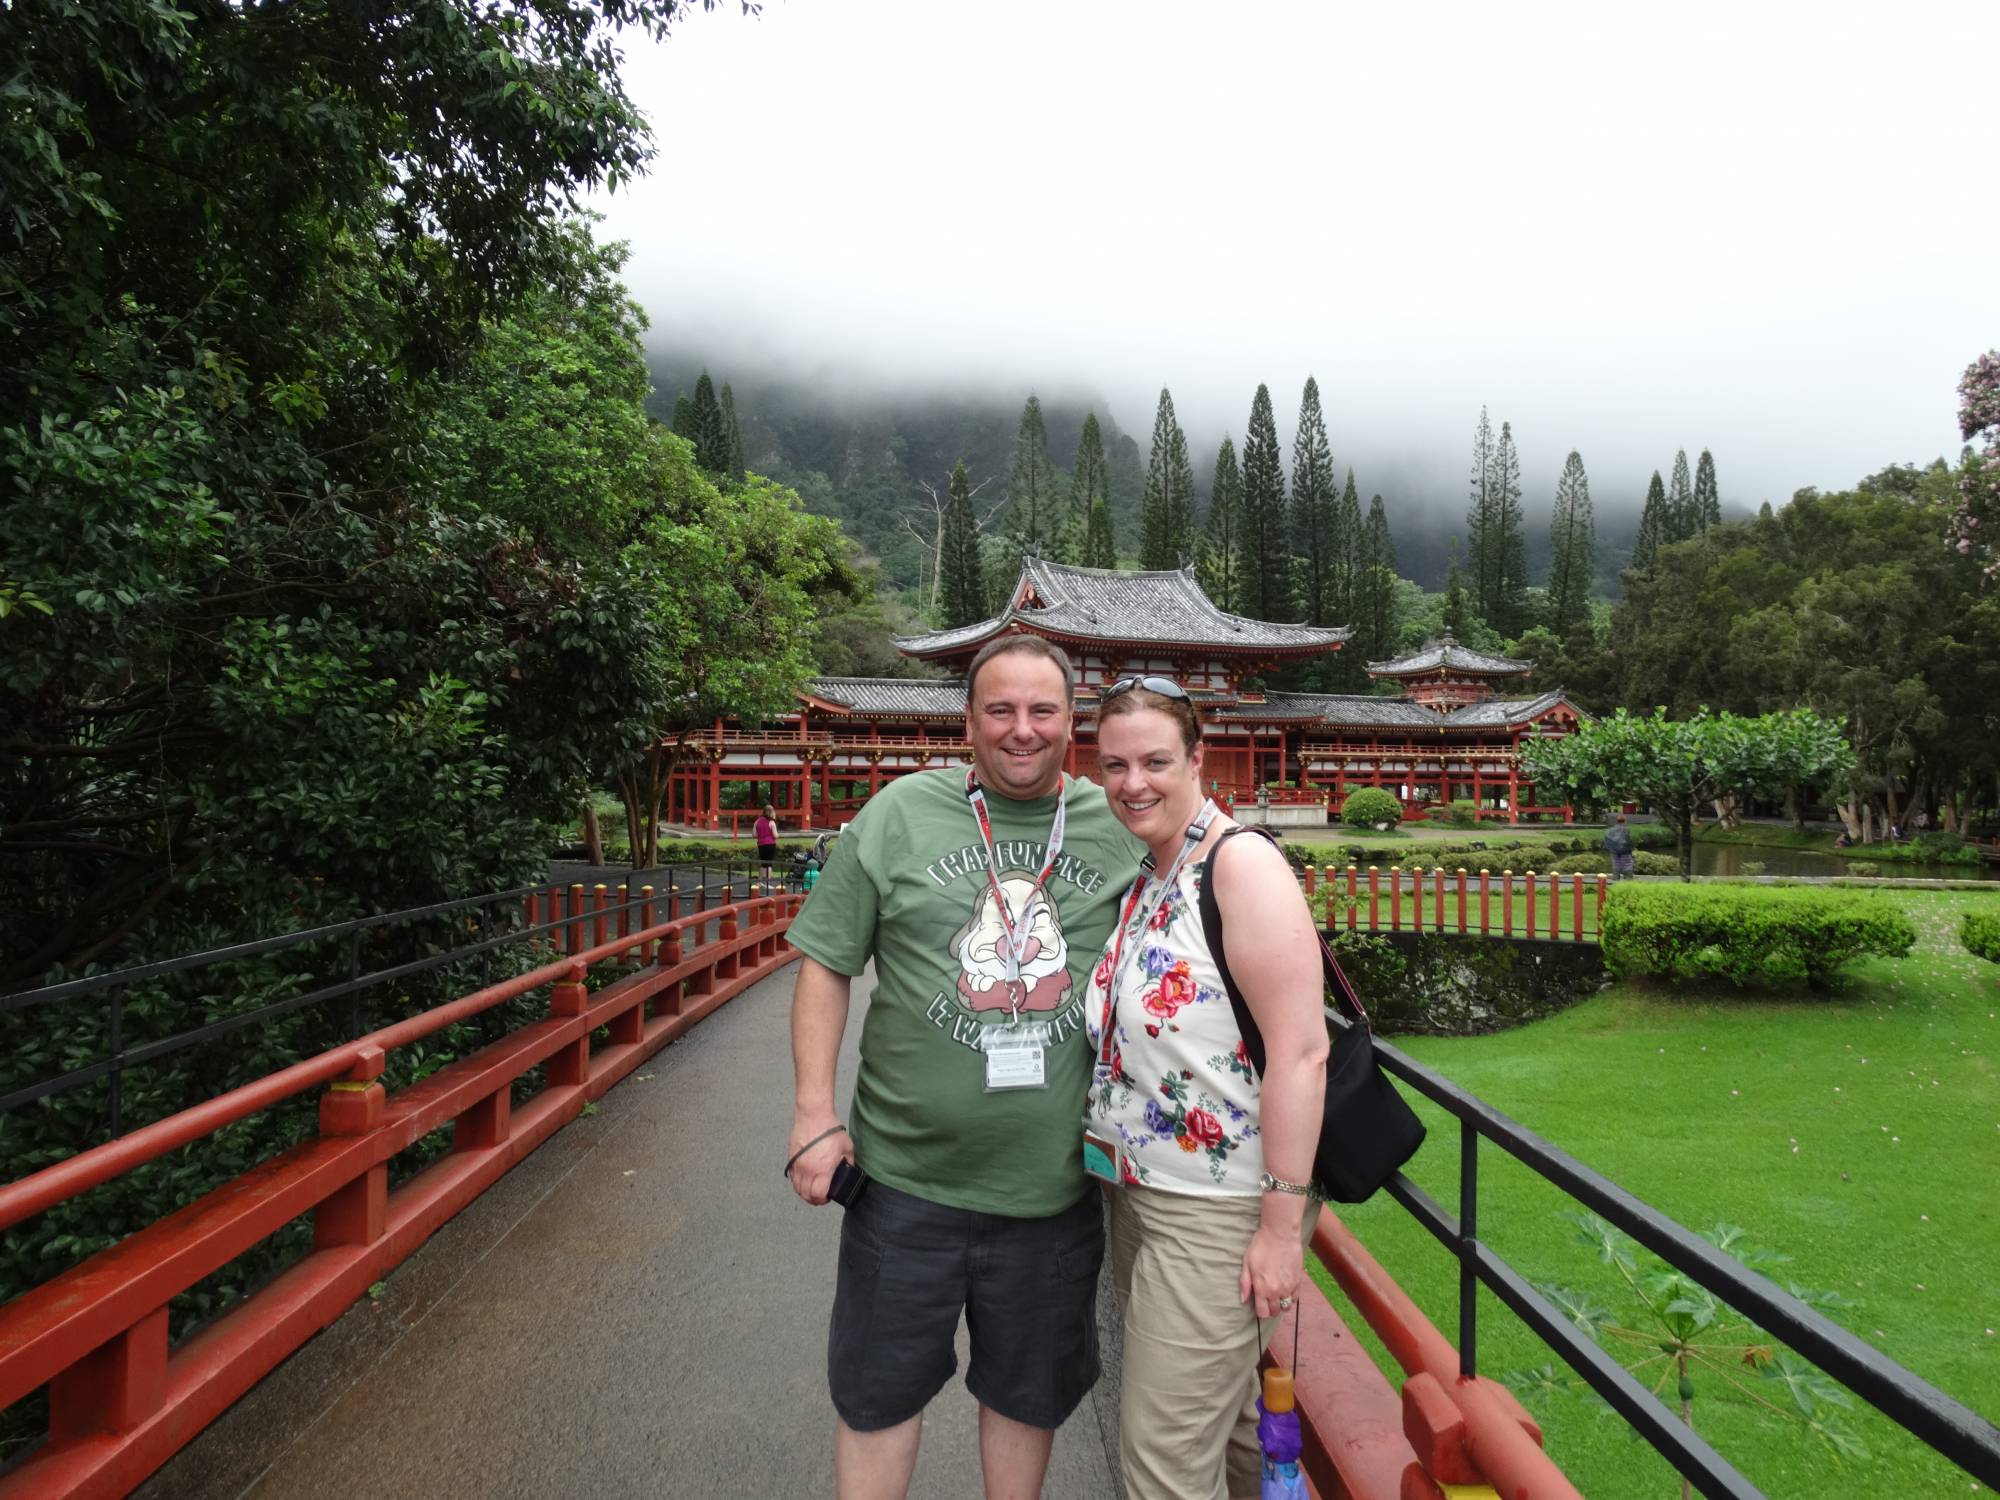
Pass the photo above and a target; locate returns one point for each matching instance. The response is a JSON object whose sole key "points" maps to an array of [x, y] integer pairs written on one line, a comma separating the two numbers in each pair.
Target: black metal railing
{"points": [[491, 922], [1947, 1426]]}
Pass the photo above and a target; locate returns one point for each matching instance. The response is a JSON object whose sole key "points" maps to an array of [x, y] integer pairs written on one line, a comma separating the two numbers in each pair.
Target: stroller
{"points": [[803, 871]]}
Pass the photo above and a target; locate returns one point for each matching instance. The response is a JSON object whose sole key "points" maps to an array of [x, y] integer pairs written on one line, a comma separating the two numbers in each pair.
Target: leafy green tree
{"points": [[961, 589], [1166, 508], [1678, 766], [1315, 499], [1652, 524], [1678, 520], [1100, 546], [1220, 568], [1457, 604], [1978, 500], [683, 422], [1707, 499], [732, 437], [1572, 548], [1267, 559], [1032, 514], [1088, 493]]}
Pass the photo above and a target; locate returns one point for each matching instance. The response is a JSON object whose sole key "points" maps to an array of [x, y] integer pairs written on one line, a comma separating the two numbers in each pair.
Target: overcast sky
{"points": [[1770, 230]]}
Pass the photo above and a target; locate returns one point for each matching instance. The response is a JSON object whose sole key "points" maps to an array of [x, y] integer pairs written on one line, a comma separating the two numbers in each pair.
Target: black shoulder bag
{"points": [[1368, 1130]]}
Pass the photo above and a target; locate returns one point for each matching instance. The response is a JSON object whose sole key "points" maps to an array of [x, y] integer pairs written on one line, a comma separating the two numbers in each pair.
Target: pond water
{"points": [[1729, 859]]}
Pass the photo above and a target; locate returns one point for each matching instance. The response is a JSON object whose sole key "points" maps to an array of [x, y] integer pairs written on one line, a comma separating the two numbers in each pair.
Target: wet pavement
{"points": [[638, 1309]]}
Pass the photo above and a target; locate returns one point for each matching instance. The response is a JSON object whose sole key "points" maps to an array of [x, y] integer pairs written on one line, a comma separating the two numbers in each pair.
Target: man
{"points": [[983, 903], [1618, 844]]}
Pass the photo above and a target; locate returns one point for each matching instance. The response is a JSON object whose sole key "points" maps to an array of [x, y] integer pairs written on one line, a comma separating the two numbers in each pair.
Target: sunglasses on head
{"points": [[1166, 687]]}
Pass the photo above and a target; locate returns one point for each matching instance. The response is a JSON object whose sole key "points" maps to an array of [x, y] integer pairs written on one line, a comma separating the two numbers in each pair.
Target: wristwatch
{"points": [[1272, 1184]]}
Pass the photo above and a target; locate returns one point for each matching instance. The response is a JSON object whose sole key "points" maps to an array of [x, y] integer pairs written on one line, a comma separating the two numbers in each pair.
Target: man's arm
{"points": [[819, 1018]]}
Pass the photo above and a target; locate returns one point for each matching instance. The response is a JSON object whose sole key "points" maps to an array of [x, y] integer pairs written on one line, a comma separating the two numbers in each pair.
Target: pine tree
{"points": [[1100, 549], [1707, 499], [1481, 523], [1375, 620], [710, 442], [1183, 540], [1267, 561], [1457, 606], [1087, 491], [1350, 544], [683, 423], [961, 590], [1221, 567], [1032, 517], [1652, 524], [1315, 494], [1677, 521], [1507, 539], [1166, 509], [1572, 549], [732, 436]]}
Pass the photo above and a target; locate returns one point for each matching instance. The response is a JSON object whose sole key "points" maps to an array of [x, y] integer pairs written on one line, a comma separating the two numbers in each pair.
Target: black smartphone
{"points": [[848, 1181]]}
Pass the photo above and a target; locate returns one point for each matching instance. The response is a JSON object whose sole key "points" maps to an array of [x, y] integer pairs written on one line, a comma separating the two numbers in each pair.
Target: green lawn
{"points": [[1858, 1132]]}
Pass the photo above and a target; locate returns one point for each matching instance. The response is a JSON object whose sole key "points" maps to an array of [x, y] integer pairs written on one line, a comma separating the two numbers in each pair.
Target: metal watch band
{"points": [[1279, 1185]]}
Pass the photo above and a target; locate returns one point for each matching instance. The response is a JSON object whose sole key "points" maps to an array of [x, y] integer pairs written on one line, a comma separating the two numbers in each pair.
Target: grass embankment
{"points": [[1857, 1131]]}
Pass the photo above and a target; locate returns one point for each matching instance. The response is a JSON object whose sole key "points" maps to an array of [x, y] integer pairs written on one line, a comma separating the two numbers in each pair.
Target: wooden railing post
{"points": [[600, 929], [573, 934], [569, 1067], [1507, 902], [1312, 884], [729, 963], [1374, 899], [1485, 894], [358, 1213], [116, 1386], [1461, 900], [1437, 884], [1353, 897], [1396, 898], [1530, 883], [1576, 906]]}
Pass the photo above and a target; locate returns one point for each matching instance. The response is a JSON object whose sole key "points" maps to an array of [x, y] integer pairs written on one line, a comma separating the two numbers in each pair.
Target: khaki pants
{"points": [[1187, 1413]]}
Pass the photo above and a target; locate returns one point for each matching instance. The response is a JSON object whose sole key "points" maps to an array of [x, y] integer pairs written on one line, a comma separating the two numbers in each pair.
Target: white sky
{"points": [[1765, 229]]}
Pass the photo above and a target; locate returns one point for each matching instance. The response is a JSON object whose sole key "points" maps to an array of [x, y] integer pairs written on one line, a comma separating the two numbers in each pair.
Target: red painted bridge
{"points": [[609, 1289]]}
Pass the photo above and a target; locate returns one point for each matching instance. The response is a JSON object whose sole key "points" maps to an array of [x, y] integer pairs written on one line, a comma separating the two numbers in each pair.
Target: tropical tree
{"points": [[1707, 498], [961, 587], [732, 438], [1032, 514], [1679, 520], [1978, 500], [1088, 493], [1678, 766], [711, 428], [1653, 524], [1375, 615]]}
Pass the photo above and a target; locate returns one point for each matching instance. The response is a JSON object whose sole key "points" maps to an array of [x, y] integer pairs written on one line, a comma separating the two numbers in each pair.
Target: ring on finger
{"points": [[1284, 1303]]}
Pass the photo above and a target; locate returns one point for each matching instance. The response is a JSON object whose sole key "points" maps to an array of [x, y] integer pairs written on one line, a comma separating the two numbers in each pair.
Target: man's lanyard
{"points": [[1014, 931], [1196, 832]]}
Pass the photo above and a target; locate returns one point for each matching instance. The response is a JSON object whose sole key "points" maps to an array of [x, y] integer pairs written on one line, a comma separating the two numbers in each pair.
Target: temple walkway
{"points": [[638, 1309]]}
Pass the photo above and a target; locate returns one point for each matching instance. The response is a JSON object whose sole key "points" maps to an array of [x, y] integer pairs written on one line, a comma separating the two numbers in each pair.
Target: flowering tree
{"points": [[1979, 477]]}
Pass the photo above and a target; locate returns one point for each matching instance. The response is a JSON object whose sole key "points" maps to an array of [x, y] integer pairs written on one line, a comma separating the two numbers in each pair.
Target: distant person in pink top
{"points": [[767, 836]]}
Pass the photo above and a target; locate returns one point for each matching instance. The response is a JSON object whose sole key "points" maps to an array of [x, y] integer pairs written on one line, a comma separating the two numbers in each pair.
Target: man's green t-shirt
{"points": [[907, 886]]}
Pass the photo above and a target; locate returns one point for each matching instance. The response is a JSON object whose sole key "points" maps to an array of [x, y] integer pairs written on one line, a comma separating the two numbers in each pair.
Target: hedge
{"points": [[1368, 805], [1596, 862], [1747, 935], [1463, 814], [1980, 932]]}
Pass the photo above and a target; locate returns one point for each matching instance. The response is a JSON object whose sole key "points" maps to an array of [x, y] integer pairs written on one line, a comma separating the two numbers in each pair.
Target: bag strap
{"points": [[1211, 930]]}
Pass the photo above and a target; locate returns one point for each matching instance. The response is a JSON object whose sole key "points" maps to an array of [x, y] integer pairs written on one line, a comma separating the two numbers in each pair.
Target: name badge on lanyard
{"points": [[1016, 1055]]}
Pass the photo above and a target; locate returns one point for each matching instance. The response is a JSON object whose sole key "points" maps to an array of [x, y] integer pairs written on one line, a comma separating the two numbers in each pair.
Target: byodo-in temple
{"points": [[1449, 734]]}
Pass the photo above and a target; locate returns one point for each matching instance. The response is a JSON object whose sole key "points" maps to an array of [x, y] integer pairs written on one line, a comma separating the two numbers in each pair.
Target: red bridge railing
{"points": [[1485, 903], [121, 1401]]}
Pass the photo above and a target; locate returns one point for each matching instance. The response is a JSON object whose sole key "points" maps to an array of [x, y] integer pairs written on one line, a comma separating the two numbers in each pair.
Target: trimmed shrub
{"points": [[1368, 805], [1747, 935], [1866, 869], [1463, 814], [1980, 932], [1644, 862]]}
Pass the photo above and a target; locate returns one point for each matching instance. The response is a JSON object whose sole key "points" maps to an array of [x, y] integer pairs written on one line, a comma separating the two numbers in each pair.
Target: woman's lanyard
{"points": [[1190, 841], [1014, 931]]}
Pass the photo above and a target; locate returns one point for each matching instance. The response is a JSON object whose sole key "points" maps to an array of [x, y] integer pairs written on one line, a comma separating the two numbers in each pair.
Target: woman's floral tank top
{"points": [[1182, 1099]]}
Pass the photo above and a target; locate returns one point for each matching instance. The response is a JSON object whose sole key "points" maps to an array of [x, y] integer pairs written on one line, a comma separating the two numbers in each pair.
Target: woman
{"points": [[766, 831], [1618, 844], [1211, 1210]]}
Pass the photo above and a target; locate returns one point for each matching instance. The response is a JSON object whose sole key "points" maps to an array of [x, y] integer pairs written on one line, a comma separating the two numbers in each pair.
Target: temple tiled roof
{"points": [[1164, 608], [1336, 708], [891, 697], [1497, 711], [1448, 654]]}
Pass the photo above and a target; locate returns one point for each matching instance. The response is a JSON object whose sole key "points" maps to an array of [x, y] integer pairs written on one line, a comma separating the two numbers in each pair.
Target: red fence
{"points": [[122, 1401], [1483, 902]]}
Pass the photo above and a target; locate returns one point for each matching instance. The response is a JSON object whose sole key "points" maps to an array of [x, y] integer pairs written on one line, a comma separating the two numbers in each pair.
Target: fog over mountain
{"points": [[1749, 229]]}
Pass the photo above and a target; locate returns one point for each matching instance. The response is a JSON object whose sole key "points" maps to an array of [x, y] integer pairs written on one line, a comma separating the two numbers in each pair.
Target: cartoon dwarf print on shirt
{"points": [[979, 948]]}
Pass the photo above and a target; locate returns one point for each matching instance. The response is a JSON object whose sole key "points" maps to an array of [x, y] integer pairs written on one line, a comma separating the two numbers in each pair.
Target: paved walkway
{"points": [[639, 1309]]}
